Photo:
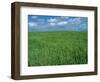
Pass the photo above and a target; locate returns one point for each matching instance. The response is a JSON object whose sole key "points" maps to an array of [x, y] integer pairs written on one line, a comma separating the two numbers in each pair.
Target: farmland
{"points": [[57, 48]]}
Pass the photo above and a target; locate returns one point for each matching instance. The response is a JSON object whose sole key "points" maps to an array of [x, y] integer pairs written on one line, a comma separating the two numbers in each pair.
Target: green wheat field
{"points": [[57, 48]]}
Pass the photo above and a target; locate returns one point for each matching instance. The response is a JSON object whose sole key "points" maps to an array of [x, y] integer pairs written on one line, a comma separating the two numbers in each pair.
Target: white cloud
{"points": [[52, 24], [52, 20], [62, 23], [31, 24], [75, 20], [34, 17]]}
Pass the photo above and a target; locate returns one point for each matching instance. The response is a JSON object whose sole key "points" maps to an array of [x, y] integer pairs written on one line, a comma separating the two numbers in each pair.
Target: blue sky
{"points": [[40, 23]]}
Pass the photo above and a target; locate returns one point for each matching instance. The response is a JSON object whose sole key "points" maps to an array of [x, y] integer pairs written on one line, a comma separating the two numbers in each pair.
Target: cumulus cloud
{"points": [[31, 24], [52, 24], [62, 23], [52, 20], [75, 20]]}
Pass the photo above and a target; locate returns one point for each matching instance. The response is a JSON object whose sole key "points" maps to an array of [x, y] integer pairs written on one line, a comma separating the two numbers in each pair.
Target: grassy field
{"points": [[57, 48]]}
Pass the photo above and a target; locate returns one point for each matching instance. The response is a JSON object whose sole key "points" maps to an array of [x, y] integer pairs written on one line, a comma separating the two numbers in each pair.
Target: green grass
{"points": [[57, 48]]}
